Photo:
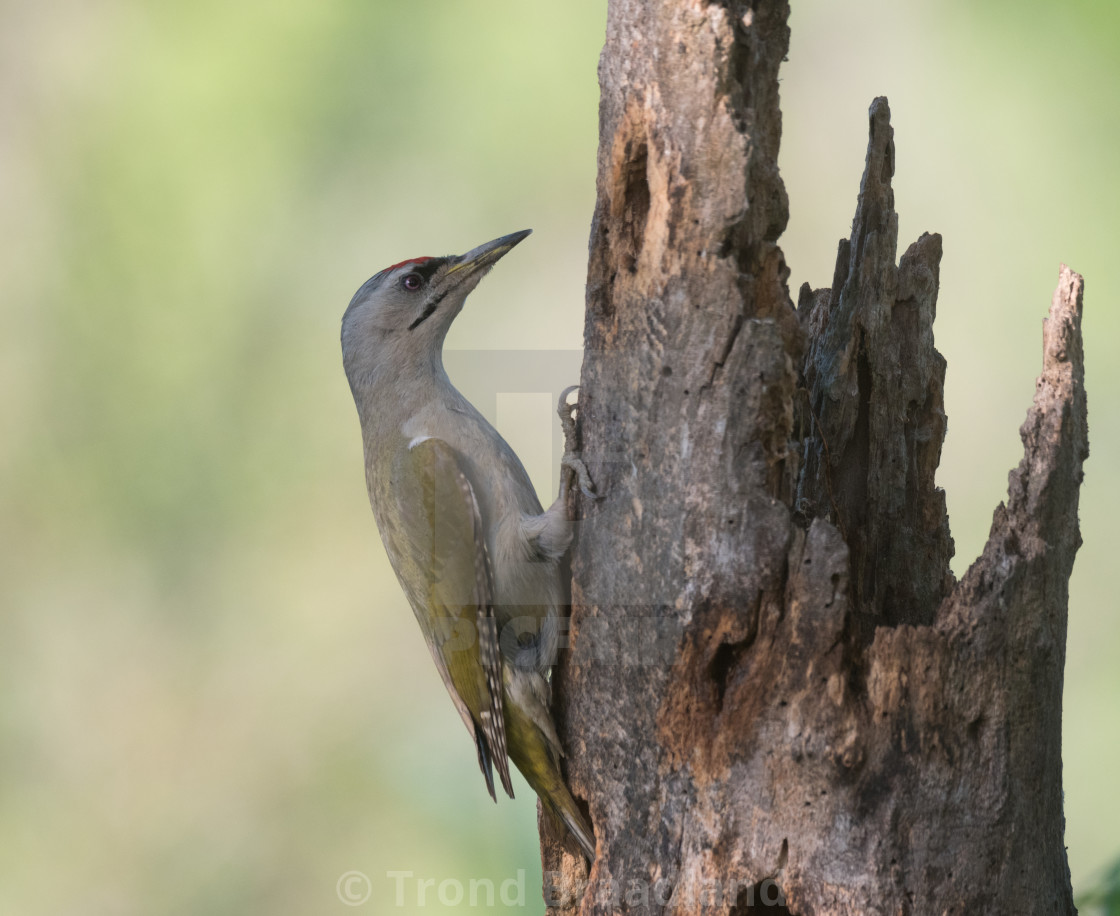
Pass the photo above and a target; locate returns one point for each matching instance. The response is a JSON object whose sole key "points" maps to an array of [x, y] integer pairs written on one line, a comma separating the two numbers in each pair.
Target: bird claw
{"points": [[572, 461], [567, 421]]}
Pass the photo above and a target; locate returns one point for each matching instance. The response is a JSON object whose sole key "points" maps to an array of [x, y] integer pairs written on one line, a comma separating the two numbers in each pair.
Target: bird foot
{"points": [[572, 463]]}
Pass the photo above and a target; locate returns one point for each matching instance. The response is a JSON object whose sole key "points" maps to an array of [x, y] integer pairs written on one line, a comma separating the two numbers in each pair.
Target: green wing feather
{"points": [[450, 586]]}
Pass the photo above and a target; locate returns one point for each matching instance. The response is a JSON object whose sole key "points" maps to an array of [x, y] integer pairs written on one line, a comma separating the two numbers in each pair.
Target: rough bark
{"points": [[775, 686]]}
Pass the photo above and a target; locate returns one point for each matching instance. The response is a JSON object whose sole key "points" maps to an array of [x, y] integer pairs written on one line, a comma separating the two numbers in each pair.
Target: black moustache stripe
{"points": [[429, 310]]}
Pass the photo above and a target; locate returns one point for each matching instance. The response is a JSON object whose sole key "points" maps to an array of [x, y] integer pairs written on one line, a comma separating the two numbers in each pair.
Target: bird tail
{"points": [[561, 805], [535, 755]]}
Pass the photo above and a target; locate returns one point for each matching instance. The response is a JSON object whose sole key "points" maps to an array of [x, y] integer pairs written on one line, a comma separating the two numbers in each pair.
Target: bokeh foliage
{"points": [[212, 696]]}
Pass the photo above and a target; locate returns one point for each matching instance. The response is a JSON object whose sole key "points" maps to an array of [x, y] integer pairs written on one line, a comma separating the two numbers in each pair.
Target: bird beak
{"points": [[483, 257]]}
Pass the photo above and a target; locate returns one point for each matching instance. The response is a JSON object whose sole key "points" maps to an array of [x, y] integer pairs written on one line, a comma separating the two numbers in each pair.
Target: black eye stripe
{"points": [[425, 269], [428, 268]]}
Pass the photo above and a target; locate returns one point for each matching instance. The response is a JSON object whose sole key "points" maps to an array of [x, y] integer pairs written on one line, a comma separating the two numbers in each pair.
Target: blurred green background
{"points": [[213, 698]]}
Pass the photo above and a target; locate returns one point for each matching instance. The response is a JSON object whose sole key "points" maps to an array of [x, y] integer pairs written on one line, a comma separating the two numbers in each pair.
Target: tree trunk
{"points": [[777, 693]]}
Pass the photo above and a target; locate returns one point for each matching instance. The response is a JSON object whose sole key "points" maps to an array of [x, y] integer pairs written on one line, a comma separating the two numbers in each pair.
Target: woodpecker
{"points": [[477, 556]]}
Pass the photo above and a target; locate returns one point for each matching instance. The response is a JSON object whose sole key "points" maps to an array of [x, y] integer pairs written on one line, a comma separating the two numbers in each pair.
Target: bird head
{"points": [[397, 321]]}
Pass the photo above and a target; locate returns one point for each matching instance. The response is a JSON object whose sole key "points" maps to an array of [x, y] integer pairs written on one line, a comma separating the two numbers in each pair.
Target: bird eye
{"points": [[412, 282]]}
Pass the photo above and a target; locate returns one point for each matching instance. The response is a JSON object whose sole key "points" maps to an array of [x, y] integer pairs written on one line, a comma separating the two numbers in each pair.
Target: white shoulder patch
{"points": [[416, 440]]}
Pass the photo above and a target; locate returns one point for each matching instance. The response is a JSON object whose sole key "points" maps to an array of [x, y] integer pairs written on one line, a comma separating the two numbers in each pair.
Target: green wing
{"points": [[449, 582]]}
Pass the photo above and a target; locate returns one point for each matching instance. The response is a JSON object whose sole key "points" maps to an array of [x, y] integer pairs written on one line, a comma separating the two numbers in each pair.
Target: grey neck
{"points": [[389, 395]]}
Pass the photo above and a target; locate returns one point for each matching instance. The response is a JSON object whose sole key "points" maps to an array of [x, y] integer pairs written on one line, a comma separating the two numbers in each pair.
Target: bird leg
{"points": [[550, 533]]}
